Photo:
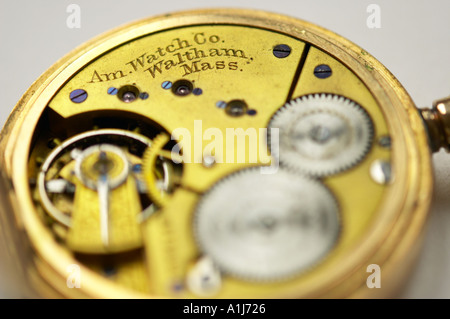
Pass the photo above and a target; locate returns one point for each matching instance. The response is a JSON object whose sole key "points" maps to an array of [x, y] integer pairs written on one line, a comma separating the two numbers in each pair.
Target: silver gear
{"points": [[321, 134], [266, 227]]}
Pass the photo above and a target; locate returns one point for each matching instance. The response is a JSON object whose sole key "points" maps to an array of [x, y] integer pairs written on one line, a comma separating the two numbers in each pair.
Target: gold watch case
{"points": [[232, 69]]}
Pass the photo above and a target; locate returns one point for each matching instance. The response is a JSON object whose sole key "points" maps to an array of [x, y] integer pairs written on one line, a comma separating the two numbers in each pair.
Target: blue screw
{"points": [[137, 168], [166, 85], [322, 71], [385, 141], [251, 112], [178, 286], [281, 50], [221, 104], [78, 96], [197, 91], [112, 91], [144, 95]]}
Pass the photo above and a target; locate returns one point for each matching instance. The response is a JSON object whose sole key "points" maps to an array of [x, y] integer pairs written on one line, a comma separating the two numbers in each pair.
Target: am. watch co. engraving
{"points": [[218, 154]]}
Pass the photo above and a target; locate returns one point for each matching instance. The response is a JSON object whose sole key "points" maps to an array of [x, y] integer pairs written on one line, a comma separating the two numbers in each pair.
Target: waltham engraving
{"points": [[201, 52]]}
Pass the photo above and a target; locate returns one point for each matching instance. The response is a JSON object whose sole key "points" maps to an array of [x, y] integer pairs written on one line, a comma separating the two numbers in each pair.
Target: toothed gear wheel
{"points": [[157, 195], [321, 134], [284, 225]]}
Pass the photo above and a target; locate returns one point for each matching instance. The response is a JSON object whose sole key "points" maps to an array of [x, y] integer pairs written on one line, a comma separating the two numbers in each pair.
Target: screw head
{"points": [[144, 95], [221, 104], [236, 108], [112, 91], [322, 71], [177, 287], [78, 96], [385, 141], [166, 85], [197, 91], [281, 50]]}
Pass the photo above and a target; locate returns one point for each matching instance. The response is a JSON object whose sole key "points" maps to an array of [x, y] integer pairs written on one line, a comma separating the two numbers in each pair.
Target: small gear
{"points": [[284, 225], [321, 134], [159, 170]]}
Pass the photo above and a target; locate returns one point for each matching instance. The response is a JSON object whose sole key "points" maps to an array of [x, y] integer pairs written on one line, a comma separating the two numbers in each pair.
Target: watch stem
{"points": [[437, 120]]}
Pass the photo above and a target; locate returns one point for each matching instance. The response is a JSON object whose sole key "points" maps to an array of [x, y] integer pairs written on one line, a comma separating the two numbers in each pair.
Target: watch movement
{"points": [[216, 154]]}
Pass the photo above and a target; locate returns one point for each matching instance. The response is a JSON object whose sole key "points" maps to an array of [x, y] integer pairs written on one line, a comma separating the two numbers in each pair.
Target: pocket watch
{"points": [[216, 154]]}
